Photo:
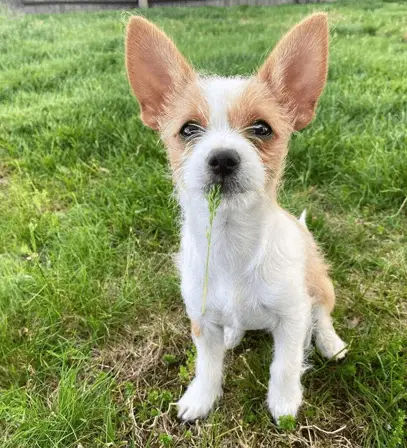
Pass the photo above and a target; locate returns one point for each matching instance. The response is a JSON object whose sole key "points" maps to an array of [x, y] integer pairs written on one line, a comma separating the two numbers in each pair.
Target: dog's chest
{"points": [[246, 270], [241, 297]]}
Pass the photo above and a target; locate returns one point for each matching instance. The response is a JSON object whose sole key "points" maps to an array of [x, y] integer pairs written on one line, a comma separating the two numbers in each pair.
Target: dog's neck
{"points": [[238, 225]]}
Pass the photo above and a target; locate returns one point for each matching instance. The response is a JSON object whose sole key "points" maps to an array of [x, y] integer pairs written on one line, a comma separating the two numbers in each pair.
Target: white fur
{"points": [[256, 270], [303, 218]]}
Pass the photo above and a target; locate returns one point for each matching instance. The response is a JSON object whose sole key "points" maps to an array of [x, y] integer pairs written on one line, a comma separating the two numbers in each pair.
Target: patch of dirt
{"points": [[138, 352], [149, 409]]}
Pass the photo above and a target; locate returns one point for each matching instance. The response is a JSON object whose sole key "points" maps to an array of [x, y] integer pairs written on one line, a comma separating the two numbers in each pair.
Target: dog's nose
{"points": [[224, 162]]}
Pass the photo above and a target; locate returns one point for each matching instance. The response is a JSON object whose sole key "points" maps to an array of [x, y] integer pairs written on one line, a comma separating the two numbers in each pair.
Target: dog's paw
{"points": [[197, 401], [232, 337], [331, 348], [283, 401]]}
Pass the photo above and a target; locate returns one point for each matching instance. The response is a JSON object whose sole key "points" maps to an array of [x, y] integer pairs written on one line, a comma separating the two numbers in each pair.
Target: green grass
{"points": [[214, 198], [94, 342]]}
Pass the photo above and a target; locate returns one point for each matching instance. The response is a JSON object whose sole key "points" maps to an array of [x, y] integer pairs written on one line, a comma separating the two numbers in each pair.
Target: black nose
{"points": [[224, 162]]}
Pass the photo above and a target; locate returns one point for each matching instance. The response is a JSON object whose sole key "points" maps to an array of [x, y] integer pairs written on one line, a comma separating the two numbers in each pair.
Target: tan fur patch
{"points": [[183, 106], [196, 329], [319, 284], [257, 103]]}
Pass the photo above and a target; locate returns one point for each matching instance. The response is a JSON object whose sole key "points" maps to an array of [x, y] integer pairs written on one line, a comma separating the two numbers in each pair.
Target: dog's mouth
{"points": [[229, 186]]}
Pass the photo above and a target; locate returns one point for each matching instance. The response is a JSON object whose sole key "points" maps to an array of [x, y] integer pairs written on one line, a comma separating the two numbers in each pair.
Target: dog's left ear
{"points": [[296, 69]]}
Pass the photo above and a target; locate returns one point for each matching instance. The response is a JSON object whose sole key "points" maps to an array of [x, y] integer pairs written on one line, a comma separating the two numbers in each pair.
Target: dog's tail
{"points": [[303, 217]]}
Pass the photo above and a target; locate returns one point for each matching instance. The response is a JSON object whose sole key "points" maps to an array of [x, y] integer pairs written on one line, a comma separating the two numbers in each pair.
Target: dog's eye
{"points": [[190, 129], [260, 129]]}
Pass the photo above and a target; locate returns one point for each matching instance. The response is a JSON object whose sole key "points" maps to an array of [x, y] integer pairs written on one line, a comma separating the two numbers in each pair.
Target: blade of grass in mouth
{"points": [[213, 197]]}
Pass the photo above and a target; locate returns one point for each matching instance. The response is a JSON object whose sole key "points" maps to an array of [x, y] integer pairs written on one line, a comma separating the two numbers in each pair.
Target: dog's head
{"points": [[228, 131]]}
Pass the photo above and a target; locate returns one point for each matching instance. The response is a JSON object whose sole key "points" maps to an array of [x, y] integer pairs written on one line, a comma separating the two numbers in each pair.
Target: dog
{"points": [[265, 270]]}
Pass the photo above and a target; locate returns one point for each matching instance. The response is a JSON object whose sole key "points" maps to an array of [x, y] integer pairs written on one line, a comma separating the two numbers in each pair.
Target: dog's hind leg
{"points": [[328, 343], [321, 291]]}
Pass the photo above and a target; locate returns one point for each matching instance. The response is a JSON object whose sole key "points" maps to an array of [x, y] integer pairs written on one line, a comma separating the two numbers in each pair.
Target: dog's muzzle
{"points": [[223, 167]]}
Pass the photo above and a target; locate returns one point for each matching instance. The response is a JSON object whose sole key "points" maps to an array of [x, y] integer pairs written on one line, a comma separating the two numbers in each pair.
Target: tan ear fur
{"points": [[155, 68], [296, 70]]}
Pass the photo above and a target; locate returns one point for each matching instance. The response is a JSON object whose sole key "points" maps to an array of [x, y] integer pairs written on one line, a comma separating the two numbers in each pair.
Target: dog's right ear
{"points": [[155, 68]]}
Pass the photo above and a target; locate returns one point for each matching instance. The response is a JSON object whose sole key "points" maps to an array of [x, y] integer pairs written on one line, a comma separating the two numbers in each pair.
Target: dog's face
{"points": [[228, 131]]}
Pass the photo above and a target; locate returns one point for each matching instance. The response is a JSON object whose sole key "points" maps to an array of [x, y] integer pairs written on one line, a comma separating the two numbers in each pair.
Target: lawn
{"points": [[94, 341]]}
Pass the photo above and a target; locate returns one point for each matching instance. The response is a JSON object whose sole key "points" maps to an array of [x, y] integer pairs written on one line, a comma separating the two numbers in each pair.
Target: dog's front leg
{"points": [[285, 391], [206, 387]]}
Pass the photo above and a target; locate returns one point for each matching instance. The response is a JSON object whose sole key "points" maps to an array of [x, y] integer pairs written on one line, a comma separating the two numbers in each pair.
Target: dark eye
{"points": [[190, 129], [260, 129]]}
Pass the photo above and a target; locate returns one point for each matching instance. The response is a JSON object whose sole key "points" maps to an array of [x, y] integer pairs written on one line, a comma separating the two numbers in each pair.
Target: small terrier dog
{"points": [[265, 270]]}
